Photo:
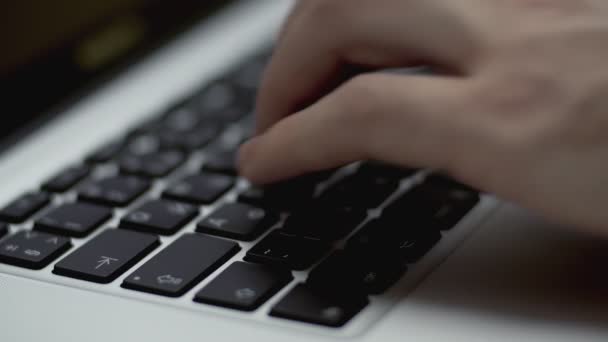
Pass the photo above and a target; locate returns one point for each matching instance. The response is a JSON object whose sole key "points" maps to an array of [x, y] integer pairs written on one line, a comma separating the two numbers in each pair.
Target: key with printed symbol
{"points": [[287, 251], [237, 221], [23, 207], [66, 179], [159, 216], [244, 286], [307, 304], [204, 188], [73, 219], [31, 249], [181, 265], [114, 191], [107, 255]]}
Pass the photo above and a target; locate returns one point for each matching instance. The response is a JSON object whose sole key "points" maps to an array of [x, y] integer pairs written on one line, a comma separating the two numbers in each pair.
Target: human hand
{"points": [[520, 108]]}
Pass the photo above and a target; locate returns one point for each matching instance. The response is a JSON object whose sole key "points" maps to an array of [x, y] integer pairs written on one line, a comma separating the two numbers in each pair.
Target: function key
{"points": [[116, 191], [180, 266], [23, 207], [237, 221], [107, 255], [323, 222], [244, 286], [204, 188], [307, 304], [151, 165], [31, 249], [73, 219], [66, 179], [159, 216], [287, 251]]}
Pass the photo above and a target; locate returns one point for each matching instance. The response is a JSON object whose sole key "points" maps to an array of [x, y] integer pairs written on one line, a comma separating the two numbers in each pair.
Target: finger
{"points": [[321, 41], [414, 121]]}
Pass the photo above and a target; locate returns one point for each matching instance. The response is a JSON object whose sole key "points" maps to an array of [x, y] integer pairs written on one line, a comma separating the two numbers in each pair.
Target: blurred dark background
{"points": [[54, 52]]}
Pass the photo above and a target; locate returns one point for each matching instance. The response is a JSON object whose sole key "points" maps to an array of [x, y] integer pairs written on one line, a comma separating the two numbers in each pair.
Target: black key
{"points": [[180, 118], [244, 286], [151, 165], [405, 241], [106, 152], [23, 207], [307, 304], [106, 256], [356, 272], [159, 217], [145, 142], [73, 219], [222, 102], [360, 190], [286, 195], [203, 188], [324, 222], [238, 221], [181, 265], [434, 205], [116, 191], [3, 229], [189, 140], [221, 161], [31, 249], [287, 251], [215, 98], [66, 179]]}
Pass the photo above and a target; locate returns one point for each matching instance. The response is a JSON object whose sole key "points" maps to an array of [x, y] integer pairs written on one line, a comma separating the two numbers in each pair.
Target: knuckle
{"points": [[360, 96]]}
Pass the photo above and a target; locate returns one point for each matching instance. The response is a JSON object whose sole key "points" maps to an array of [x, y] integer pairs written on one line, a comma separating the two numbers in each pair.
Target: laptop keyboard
{"points": [[326, 224]]}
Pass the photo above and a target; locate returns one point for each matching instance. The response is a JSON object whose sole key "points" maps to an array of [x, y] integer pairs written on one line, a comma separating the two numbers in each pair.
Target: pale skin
{"points": [[520, 108]]}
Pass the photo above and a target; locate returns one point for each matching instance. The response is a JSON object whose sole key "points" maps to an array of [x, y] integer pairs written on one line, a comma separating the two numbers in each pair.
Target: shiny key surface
{"points": [[23, 207], [31, 249], [307, 304], [163, 217], [116, 191], [181, 265], [244, 286], [73, 219], [106, 256]]}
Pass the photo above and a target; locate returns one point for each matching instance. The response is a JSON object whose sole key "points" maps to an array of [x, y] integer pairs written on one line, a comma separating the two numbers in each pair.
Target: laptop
{"points": [[122, 217]]}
